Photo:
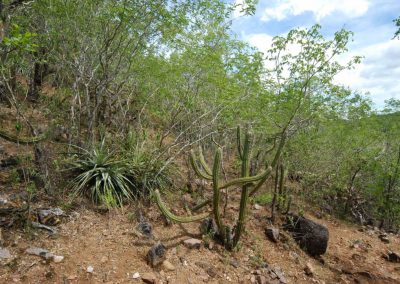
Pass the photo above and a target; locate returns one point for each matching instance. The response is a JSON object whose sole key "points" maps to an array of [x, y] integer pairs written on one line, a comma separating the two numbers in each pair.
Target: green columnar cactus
{"points": [[246, 154], [249, 185], [22, 140]]}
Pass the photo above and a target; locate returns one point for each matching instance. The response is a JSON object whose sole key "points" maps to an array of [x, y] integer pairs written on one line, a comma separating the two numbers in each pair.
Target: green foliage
{"points": [[397, 23], [101, 176], [262, 199]]}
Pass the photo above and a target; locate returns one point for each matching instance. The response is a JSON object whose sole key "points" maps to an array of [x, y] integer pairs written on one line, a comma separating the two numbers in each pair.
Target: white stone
{"points": [[89, 269]]}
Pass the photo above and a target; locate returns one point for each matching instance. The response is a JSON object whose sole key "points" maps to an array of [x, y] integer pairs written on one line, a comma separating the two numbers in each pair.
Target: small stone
{"points": [[192, 243], [384, 238], [156, 255], [261, 279], [309, 269], [4, 253], [168, 265], [149, 278], [257, 206], [212, 271], [58, 258], [253, 279], [89, 269], [104, 259], [273, 234], [44, 253], [135, 275], [235, 263]]}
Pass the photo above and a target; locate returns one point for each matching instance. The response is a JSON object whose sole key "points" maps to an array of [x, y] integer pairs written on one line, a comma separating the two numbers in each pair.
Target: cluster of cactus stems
{"points": [[249, 185]]}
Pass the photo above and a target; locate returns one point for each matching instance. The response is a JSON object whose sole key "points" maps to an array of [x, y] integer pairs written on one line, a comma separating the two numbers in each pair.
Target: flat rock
{"points": [[43, 253], [192, 243], [149, 278], [257, 206], [272, 234], [309, 269], [384, 238], [135, 275], [168, 265], [4, 253]]}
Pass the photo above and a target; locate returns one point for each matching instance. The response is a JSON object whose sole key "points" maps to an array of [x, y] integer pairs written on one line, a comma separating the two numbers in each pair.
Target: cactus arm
{"points": [[245, 189], [244, 180], [201, 205], [239, 142], [203, 162], [279, 150], [196, 168], [163, 208], [261, 181], [22, 140], [216, 189]]}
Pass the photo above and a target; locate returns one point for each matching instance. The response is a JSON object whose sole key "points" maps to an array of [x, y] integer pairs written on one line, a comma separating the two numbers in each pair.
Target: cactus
{"points": [[249, 185], [22, 140]]}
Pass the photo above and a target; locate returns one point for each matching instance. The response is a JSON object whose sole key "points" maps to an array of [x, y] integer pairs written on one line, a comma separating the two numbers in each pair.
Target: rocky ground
{"points": [[93, 246]]}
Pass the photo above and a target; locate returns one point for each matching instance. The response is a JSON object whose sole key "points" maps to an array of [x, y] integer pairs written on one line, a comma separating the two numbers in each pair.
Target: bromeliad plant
{"points": [[228, 236], [101, 176]]}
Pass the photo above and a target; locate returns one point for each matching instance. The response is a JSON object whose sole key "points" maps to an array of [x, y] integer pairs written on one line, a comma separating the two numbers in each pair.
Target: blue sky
{"points": [[370, 20]]}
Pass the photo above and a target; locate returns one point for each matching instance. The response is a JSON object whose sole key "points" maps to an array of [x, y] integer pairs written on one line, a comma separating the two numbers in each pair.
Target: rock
{"points": [[156, 255], [4, 253], [257, 206], [212, 272], [392, 256], [89, 269], [312, 237], [261, 279], [44, 253], [168, 265], [309, 269], [273, 234], [50, 217], [208, 227], [149, 278], [135, 275], [235, 263], [58, 258], [192, 243], [384, 238], [202, 264], [104, 259]]}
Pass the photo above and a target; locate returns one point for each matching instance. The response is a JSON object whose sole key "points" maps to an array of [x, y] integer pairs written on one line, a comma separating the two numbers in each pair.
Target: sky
{"points": [[370, 20]]}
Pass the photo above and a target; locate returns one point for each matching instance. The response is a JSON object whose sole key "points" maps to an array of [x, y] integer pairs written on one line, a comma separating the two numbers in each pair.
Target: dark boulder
{"points": [[311, 237]]}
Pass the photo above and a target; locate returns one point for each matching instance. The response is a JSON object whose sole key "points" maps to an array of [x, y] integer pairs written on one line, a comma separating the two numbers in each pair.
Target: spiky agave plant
{"points": [[101, 176]]}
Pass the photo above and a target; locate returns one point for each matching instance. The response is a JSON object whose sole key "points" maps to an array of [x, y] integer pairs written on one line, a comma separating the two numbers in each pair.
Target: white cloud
{"points": [[261, 41], [319, 8], [377, 74]]}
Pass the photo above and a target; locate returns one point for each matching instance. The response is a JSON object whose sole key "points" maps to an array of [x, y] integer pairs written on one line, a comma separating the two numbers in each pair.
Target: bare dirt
{"points": [[110, 244]]}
